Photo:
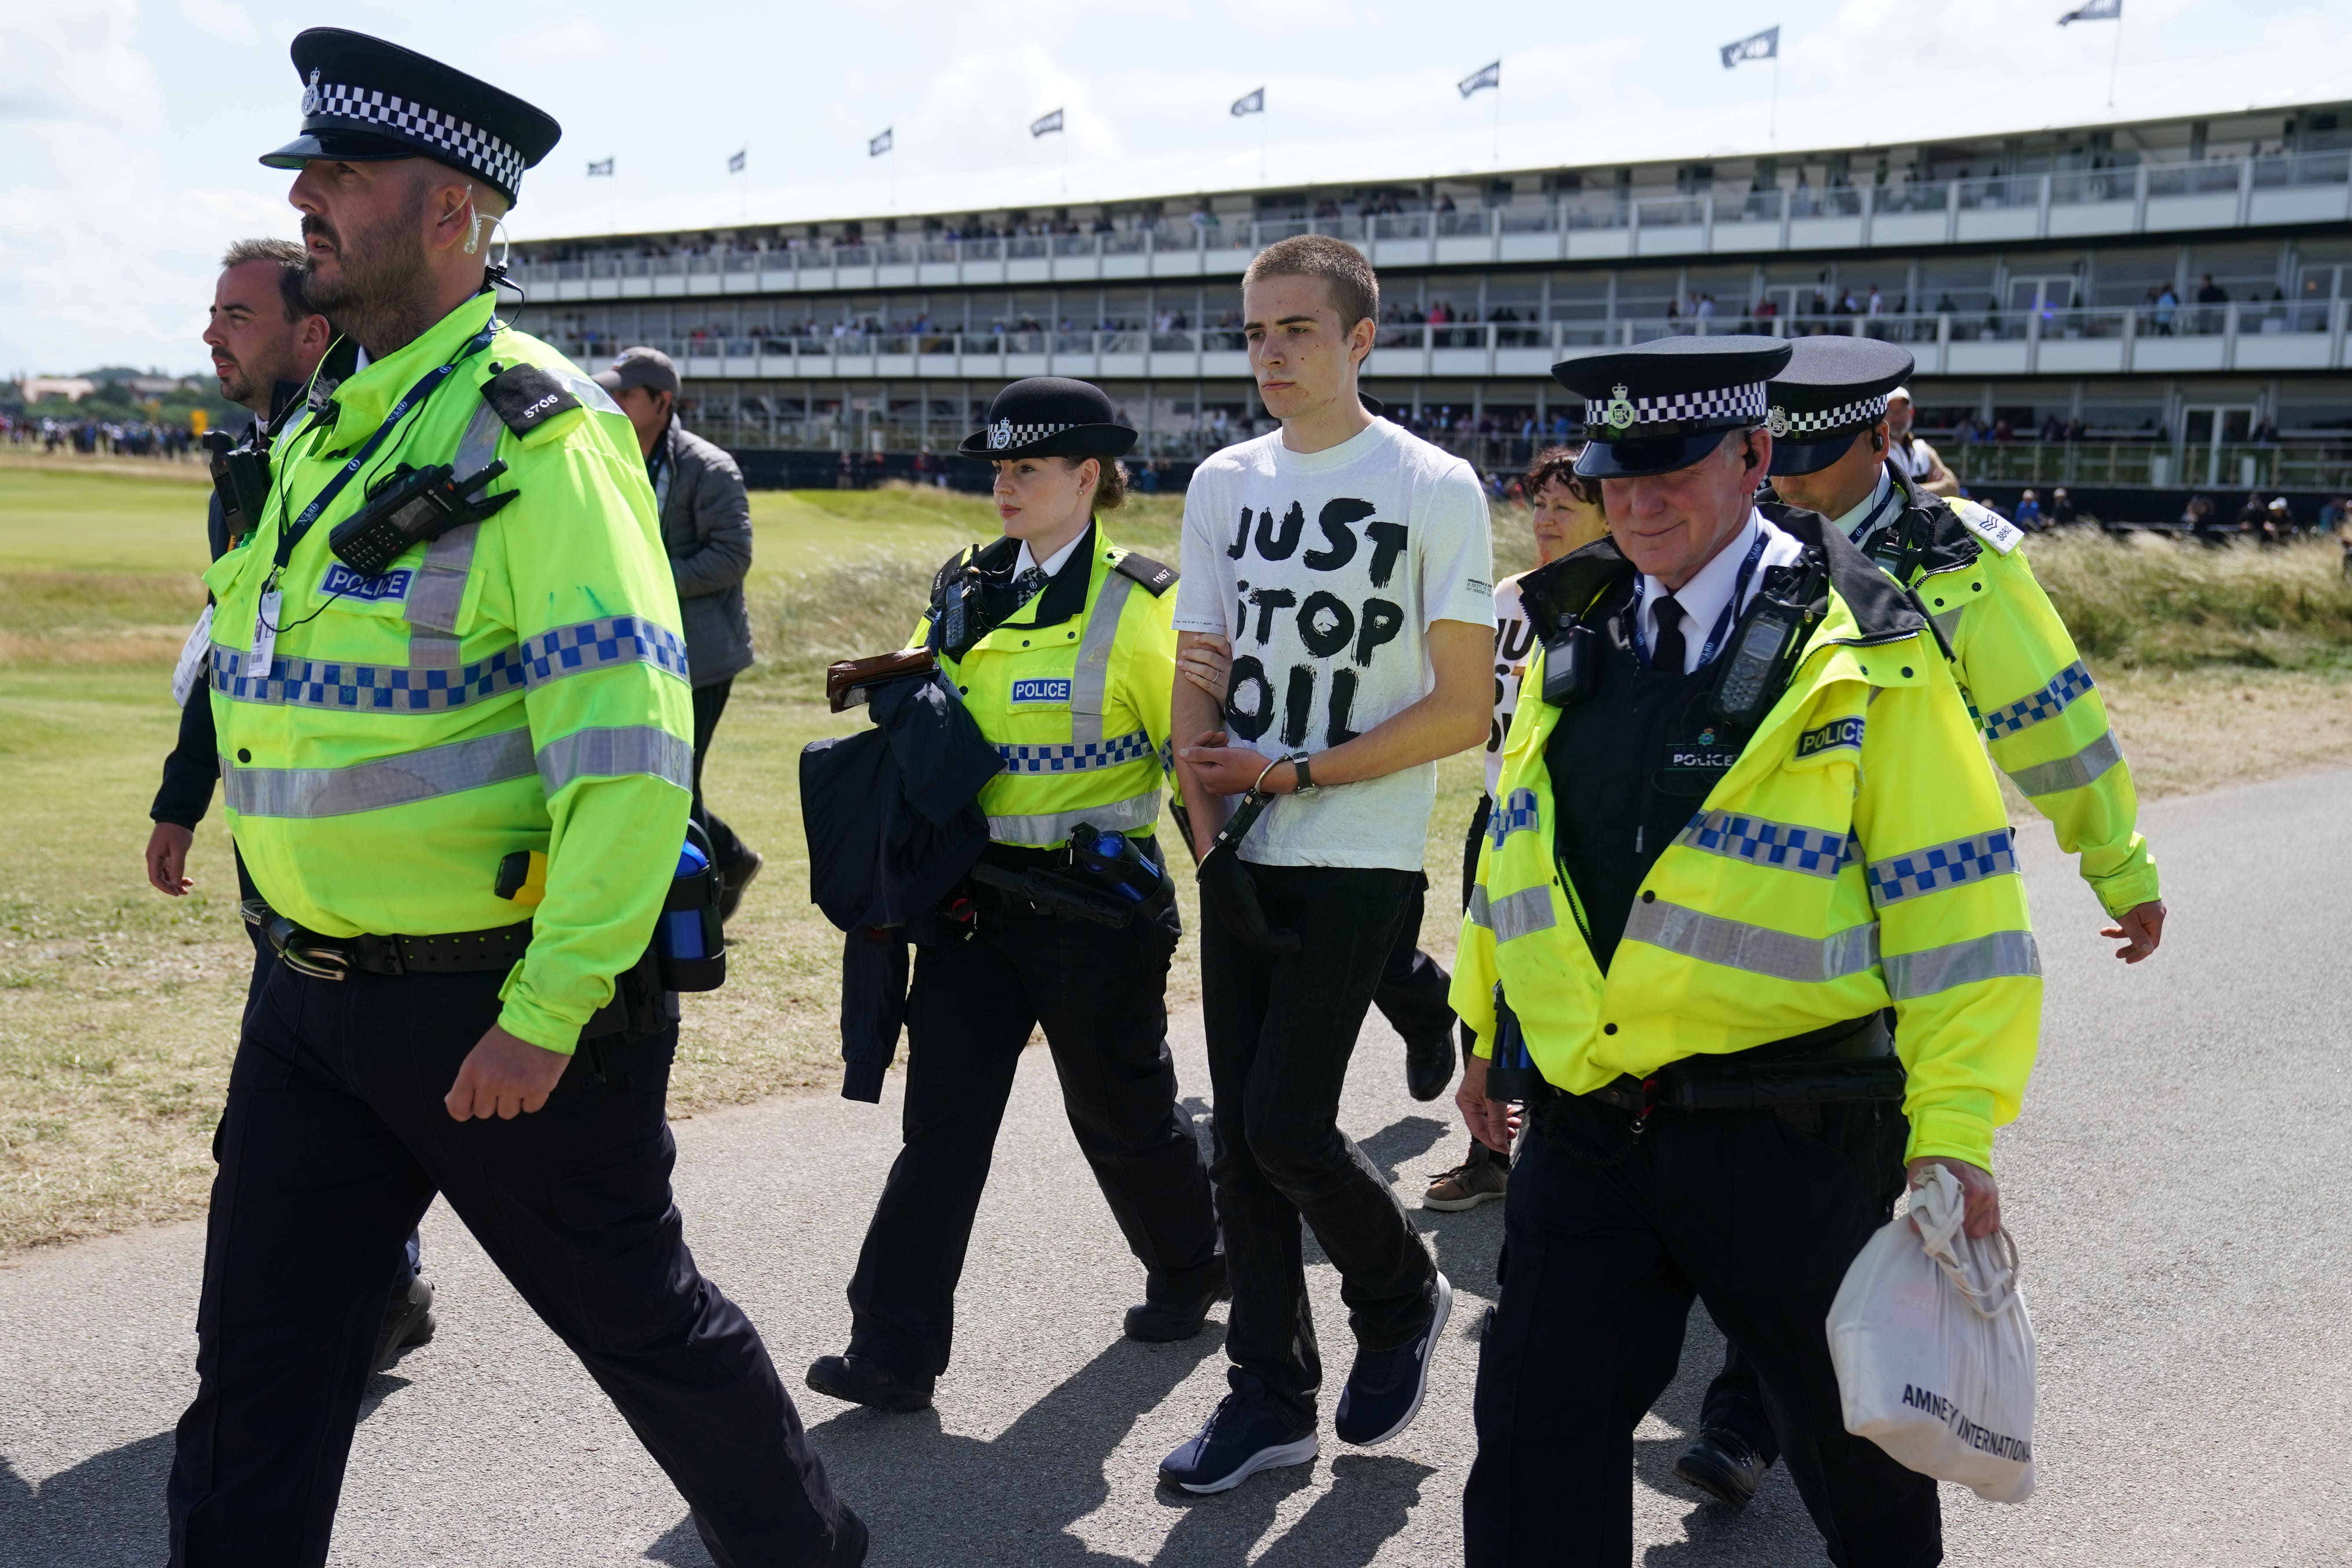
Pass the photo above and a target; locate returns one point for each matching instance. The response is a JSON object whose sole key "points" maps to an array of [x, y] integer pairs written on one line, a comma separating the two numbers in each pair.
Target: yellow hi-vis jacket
{"points": [[2042, 717], [1078, 707], [1856, 856], [518, 683]]}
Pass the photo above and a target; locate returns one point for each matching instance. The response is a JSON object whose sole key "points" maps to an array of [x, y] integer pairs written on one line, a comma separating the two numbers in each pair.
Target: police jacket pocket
{"points": [[1584, 1130]]}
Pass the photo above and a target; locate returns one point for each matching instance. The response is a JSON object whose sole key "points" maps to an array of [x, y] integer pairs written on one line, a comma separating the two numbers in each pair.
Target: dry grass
{"points": [[118, 1007]]}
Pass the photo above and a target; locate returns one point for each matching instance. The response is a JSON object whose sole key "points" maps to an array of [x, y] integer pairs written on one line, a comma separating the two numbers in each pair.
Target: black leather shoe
{"points": [[860, 1381], [1429, 1066], [849, 1539], [408, 1320], [1163, 1322], [1723, 1466], [734, 880]]}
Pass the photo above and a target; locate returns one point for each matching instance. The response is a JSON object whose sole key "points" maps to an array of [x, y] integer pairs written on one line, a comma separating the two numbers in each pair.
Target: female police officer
{"points": [[1062, 646]]}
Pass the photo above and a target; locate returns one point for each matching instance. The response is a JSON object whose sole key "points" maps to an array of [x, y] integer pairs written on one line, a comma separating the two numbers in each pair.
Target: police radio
{"points": [[409, 507], [1765, 647], [240, 478]]}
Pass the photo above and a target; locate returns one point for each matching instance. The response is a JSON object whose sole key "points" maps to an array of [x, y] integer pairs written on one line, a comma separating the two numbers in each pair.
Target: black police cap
{"points": [[1050, 416], [1833, 389], [1663, 405], [364, 100]]}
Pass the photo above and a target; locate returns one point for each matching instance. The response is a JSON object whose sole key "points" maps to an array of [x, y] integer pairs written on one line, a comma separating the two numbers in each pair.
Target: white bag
{"points": [[1934, 1351]]}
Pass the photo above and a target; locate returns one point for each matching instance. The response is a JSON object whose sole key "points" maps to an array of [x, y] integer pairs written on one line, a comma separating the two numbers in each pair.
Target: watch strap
{"points": [[1306, 780]]}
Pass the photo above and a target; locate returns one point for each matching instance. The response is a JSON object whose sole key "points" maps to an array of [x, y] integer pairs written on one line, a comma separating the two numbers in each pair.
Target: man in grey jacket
{"points": [[706, 524]]}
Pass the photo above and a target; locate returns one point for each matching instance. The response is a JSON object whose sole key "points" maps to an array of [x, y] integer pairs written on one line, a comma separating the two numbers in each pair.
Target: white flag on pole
{"points": [[1046, 124], [2094, 11], [1250, 103], [878, 145], [1483, 77], [735, 160], [601, 168]]}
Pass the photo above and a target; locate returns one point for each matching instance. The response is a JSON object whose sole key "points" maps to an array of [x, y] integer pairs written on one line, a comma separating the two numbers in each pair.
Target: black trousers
{"points": [[1280, 1031], [1735, 1404], [709, 702], [1101, 996], [1412, 992], [334, 1141], [1608, 1233]]}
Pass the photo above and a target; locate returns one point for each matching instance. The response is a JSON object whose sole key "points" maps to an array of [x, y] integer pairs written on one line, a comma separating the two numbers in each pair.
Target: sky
{"points": [[129, 128]]}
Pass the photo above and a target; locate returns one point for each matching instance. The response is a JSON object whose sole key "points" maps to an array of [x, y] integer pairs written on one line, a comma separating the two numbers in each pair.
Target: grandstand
{"points": [[2132, 309]]}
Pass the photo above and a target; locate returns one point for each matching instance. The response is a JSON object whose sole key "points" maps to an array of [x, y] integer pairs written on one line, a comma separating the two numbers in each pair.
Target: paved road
{"points": [[2175, 1185]]}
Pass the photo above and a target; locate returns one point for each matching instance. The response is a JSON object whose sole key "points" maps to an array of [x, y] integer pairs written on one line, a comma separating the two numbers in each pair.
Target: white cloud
{"points": [[222, 16]]}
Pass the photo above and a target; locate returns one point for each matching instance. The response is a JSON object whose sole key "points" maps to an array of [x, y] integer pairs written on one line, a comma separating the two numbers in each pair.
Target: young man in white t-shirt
{"points": [[1341, 565]]}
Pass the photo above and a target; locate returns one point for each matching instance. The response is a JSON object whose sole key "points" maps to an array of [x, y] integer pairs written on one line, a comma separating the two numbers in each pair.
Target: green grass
{"points": [[2149, 601]]}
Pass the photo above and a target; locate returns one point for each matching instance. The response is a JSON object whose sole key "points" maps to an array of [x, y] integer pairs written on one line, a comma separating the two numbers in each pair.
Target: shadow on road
{"points": [[105, 1511]]}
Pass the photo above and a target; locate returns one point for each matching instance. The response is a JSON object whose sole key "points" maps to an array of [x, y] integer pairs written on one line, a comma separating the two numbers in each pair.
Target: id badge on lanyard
{"points": [[265, 633]]}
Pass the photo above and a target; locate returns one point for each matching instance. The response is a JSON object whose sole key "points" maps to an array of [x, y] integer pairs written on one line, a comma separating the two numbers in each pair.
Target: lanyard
{"points": [[291, 535], [1865, 531], [1722, 623]]}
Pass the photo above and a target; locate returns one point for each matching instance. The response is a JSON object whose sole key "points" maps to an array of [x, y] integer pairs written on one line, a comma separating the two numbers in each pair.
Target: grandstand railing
{"points": [[2214, 193], [2240, 335]]}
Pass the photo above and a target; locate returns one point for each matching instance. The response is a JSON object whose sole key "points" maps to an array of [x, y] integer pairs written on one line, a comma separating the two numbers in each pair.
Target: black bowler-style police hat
{"points": [[1050, 416], [1665, 404], [364, 100], [1833, 389]]}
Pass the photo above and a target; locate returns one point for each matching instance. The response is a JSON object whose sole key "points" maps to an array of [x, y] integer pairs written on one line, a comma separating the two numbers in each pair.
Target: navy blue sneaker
{"points": [[1385, 1390], [1242, 1437]]}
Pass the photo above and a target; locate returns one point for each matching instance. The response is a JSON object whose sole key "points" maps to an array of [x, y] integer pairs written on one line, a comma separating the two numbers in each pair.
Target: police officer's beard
{"points": [[381, 292]]}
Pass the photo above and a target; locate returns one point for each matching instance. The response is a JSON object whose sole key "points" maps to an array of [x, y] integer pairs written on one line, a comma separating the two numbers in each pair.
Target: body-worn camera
{"points": [[411, 506], [240, 478]]}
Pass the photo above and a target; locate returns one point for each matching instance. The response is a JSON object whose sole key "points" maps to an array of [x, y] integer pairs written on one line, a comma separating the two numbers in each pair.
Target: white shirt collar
{"points": [[1873, 510], [1052, 563], [1703, 596]]}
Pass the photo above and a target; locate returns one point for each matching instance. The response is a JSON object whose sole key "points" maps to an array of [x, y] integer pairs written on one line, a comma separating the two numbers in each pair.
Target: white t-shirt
{"points": [[1324, 570], [1515, 641]]}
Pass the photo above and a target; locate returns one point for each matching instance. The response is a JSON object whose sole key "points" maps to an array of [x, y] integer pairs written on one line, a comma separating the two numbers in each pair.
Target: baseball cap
{"points": [[640, 366]]}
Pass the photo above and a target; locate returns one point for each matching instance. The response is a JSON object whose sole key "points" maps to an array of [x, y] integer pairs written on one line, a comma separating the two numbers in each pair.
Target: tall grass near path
{"points": [[2149, 601]]}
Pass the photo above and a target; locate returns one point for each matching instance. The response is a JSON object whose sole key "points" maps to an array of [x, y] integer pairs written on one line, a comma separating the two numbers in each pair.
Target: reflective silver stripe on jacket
{"points": [[1077, 758], [1053, 828], [1949, 623], [1783, 846], [2002, 955], [1523, 913], [1941, 866], [387, 781], [441, 581], [615, 754], [2035, 706], [1759, 950], [1090, 681], [2069, 773]]}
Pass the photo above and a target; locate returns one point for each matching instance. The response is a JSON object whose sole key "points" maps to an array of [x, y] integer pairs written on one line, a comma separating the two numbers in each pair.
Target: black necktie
{"points": [[1030, 584], [1666, 651]]}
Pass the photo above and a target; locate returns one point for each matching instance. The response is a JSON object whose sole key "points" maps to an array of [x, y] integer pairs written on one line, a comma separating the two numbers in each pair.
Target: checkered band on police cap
{"points": [[1004, 434], [1716, 405], [462, 144], [1827, 421]]}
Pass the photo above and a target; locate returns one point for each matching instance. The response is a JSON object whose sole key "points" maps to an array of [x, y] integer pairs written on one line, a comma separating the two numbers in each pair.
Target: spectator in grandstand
{"points": [[2062, 510], [2278, 522], [1919, 462], [2203, 523], [2029, 513], [2251, 515], [706, 523]]}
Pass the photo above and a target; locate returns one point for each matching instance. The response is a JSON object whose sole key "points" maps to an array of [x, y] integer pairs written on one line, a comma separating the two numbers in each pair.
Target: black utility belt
{"points": [[333, 957], [1849, 1061]]}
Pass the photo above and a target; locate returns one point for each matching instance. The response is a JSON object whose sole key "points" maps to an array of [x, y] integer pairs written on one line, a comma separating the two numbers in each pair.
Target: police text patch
{"points": [[341, 579], [1040, 688], [1837, 732]]}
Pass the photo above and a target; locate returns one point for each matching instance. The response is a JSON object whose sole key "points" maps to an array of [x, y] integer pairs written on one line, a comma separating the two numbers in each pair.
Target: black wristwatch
{"points": [[1306, 784]]}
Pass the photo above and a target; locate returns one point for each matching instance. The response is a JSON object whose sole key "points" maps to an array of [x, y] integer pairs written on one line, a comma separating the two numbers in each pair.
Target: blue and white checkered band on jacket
{"points": [[1784, 422], [1005, 435], [438, 135], [1614, 418]]}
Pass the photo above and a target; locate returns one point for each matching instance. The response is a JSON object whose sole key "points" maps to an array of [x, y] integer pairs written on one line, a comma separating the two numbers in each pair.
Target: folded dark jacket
{"points": [[894, 822]]}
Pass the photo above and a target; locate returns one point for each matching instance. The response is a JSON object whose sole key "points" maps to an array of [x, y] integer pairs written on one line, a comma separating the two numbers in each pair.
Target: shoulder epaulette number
{"points": [[1155, 578], [526, 397], [1987, 524]]}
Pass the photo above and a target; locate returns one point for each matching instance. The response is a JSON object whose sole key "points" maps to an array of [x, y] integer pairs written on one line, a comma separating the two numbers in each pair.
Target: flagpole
{"points": [[2115, 59], [1262, 133], [1772, 125], [1498, 121]]}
